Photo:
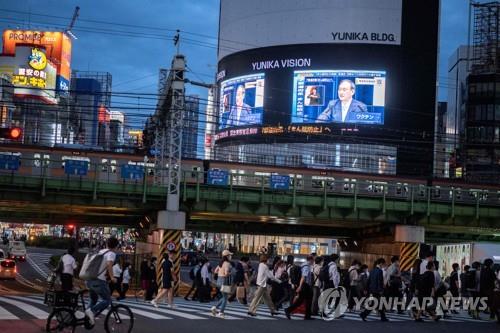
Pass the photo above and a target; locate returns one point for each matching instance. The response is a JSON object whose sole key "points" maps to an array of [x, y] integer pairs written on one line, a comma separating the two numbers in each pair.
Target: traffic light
{"points": [[11, 133]]}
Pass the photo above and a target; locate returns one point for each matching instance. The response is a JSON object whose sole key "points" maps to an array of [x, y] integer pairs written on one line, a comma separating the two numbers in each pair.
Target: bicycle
{"points": [[119, 317]]}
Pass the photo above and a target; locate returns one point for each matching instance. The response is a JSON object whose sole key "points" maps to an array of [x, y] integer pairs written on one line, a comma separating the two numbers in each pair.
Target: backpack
{"points": [[197, 275], [470, 279], [91, 266], [60, 266], [346, 279], [295, 274], [239, 273], [324, 274]]}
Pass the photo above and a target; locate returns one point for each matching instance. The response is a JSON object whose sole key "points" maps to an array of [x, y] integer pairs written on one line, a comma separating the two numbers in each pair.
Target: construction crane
{"points": [[72, 23]]}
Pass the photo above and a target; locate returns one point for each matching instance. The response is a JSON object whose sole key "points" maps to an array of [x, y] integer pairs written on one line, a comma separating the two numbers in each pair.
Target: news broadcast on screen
{"points": [[339, 96], [241, 101]]}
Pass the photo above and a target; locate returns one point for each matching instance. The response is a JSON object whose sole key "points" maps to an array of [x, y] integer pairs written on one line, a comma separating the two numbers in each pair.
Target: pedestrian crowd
{"points": [[282, 284]]}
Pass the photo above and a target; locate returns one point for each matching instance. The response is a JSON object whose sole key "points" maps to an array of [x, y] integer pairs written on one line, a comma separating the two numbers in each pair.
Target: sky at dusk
{"points": [[133, 39]]}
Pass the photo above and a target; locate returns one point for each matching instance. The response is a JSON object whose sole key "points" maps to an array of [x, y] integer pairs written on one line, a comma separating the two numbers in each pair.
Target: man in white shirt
{"points": [[263, 274], [99, 288], [423, 265], [68, 268]]}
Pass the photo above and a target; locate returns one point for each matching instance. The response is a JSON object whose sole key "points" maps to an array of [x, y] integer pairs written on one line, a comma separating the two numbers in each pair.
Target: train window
{"points": [[436, 192], [113, 166], [37, 160], [195, 171], [422, 191], [104, 165]]}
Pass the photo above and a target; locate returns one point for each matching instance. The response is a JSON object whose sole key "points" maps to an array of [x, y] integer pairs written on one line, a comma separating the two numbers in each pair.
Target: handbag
{"points": [[226, 285], [240, 292]]}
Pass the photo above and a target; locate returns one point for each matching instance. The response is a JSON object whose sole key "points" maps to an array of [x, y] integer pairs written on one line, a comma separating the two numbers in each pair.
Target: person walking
{"points": [[304, 290], [125, 281], [487, 284], [223, 283], [169, 278], [144, 277], [333, 273], [316, 288], [263, 275], [69, 265], [426, 290], [195, 282], [376, 288], [394, 282], [353, 283], [206, 281], [99, 288], [117, 273], [454, 284]]}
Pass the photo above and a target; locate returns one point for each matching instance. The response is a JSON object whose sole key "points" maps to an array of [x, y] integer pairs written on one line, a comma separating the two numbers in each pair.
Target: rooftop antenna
{"points": [[72, 23], [177, 40]]}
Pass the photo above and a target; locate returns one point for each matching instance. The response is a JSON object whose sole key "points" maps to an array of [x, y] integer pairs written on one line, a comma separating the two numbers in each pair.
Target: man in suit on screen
{"points": [[240, 113], [342, 110]]}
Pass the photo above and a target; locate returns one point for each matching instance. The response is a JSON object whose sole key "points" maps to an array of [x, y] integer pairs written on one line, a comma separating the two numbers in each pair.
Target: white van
{"points": [[16, 250]]}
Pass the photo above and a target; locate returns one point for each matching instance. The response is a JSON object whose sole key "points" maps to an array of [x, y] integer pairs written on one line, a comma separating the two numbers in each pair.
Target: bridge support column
{"points": [[410, 238], [407, 255], [170, 226]]}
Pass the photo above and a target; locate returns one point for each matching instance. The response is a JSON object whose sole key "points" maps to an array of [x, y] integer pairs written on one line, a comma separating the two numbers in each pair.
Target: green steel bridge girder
{"points": [[242, 203]]}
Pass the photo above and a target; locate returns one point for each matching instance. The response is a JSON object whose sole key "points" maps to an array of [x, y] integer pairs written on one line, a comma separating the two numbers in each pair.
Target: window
{"points": [[477, 115], [490, 113], [497, 111]]}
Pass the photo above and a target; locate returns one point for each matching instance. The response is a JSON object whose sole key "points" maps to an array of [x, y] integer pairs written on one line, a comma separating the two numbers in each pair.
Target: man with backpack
{"points": [[472, 279], [94, 270], [303, 290], [240, 280]]}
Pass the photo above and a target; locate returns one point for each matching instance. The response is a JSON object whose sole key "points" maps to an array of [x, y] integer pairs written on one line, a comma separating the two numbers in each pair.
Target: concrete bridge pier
{"points": [[170, 225]]}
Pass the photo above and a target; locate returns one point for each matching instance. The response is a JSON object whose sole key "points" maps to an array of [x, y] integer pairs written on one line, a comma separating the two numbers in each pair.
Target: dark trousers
{"points": [[204, 292], [353, 293], [194, 288], [382, 310], [305, 295], [66, 282], [314, 304], [115, 286], [123, 291]]}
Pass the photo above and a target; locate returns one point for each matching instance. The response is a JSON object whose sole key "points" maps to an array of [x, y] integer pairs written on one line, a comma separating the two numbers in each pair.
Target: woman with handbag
{"points": [[224, 283]]}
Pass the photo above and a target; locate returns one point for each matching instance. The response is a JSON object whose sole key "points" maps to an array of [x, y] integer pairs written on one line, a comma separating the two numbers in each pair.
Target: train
{"points": [[50, 162]]}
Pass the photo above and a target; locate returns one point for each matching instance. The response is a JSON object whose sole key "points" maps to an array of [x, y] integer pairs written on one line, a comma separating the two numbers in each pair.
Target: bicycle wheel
{"points": [[119, 319], [61, 320]]}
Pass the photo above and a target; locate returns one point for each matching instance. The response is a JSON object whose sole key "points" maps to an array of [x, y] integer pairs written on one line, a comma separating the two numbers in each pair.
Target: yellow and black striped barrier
{"points": [[171, 241], [407, 256]]}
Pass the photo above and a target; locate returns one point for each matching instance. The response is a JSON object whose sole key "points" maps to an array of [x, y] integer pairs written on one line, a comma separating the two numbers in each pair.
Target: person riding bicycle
{"points": [[99, 287]]}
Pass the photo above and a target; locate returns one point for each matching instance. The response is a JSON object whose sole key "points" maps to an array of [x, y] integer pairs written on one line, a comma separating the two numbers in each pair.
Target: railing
{"points": [[142, 175]]}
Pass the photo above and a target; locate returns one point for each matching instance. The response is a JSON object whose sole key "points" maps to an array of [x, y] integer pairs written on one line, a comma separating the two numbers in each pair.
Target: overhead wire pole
{"points": [[168, 129]]}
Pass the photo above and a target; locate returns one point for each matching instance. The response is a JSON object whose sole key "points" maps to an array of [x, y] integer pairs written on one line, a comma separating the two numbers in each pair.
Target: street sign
{"points": [[217, 177], [171, 246], [280, 182], [9, 162], [76, 167], [133, 172]]}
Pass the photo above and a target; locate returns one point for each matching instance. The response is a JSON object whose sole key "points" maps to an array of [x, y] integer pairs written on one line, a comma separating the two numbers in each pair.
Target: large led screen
{"points": [[241, 101], [338, 96]]}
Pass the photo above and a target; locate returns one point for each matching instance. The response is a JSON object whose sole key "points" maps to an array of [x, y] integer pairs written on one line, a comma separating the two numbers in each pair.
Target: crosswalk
{"points": [[39, 262], [32, 307]]}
